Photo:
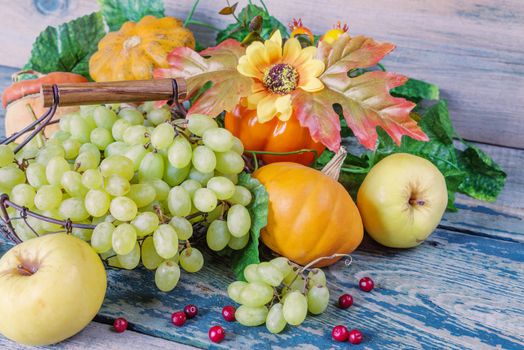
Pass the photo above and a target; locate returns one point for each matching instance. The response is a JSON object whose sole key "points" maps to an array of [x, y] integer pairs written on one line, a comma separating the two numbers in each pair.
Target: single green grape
{"points": [[237, 243], [71, 148], [150, 257], [35, 174], [131, 115], [218, 139], [101, 138], [48, 197], [166, 241], [130, 260], [104, 117], [142, 194], [295, 308], [204, 159], [238, 146], [87, 160], [217, 236], [203, 178], [24, 195], [229, 162], [222, 187], [145, 223], [119, 128], [167, 275], [317, 299], [275, 321], [7, 156], [283, 264], [80, 128], [151, 167], [123, 239], [199, 123], [117, 148], [74, 209], [136, 153], [251, 273], [117, 165], [270, 274], [92, 179], [136, 135], [161, 189], [65, 122], [179, 202], [54, 170], [316, 277], [256, 294], [191, 259], [97, 203], [234, 289], [238, 220], [123, 209], [116, 185], [72, 182], [251, 316], [102, 237], [241, 196], [180, 152], [162, 136], [231, 177], [175, 176], [159, 115], [205, 200], [182, 226], [10, 177]]}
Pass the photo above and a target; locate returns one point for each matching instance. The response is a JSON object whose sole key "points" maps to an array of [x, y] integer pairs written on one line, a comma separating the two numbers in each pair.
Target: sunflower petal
{"points": [[266, 109], [311, 68], [254, 99], [312, 85], [292, 50], [283, 107], [276, 38]]}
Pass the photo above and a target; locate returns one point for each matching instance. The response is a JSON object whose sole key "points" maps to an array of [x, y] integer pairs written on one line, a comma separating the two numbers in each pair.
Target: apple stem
{"points": [[332, 168], [24, 270]]}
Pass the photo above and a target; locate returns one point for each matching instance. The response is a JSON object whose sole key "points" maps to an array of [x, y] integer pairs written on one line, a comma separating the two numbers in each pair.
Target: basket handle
{"points": [[118, 91]]}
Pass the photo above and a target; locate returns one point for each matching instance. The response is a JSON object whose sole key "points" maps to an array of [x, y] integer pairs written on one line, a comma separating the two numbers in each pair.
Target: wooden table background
{"points": [[463, 288]]}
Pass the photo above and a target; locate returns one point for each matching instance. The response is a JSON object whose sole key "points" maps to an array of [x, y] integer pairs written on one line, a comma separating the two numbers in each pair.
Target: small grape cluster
{"points": [[278, 293], [144, 178]]}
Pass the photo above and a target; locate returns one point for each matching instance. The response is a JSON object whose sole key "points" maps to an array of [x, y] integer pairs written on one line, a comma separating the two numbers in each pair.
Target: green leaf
{"points": [[239, 30], [416, 91], [484, 178], [117, 12], [258, 210], [68, 47]]}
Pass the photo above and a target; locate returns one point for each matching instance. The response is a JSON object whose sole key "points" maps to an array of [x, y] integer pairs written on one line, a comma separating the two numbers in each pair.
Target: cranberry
{"points": [[191, 310], [216, 334], [120, 325], [228, 312], [366, 284], [345, 301], [340, 333], [178, 318], [355, 336]]}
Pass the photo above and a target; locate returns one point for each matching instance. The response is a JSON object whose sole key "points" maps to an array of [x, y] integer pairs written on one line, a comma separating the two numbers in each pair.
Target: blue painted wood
{"points": [[455, 291]]}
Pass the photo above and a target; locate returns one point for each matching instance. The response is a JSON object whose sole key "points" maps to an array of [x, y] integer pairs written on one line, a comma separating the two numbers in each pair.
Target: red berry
{"points": [[340, 333], [120, 325], [345, 301], [216, 334], [355, 336], [366, 284], [228, 312], [178, 318], [191, 311]]}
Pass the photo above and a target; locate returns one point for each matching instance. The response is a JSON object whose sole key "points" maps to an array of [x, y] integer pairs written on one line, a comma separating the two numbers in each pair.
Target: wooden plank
{"points": [[452, 292], [99, 336], [472, 49]]}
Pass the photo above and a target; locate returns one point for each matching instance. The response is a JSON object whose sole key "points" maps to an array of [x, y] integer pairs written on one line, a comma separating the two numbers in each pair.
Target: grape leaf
{"points": [[220, 68], [365, 100], [117, 12], [68, 47], [417, 90], [239, 30], [258, 209]]}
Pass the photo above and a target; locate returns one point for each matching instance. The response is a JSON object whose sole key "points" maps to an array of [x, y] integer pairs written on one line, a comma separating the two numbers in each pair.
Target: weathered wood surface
{"points": [[455, 291], [99, 336], [472, 49]]}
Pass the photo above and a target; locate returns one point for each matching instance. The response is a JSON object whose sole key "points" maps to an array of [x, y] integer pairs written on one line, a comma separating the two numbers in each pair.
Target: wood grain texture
{"points": [[471, 49], [99, 336], [454, 291]]}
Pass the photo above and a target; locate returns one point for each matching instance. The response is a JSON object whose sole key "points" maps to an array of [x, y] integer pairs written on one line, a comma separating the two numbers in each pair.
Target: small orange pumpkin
{"points": [[23, 102], [137, 48], [311, 215], [272, 136]]}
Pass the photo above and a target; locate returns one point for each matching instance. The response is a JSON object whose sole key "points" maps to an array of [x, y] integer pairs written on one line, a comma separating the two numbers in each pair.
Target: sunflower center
{"points": [[281, 78]]}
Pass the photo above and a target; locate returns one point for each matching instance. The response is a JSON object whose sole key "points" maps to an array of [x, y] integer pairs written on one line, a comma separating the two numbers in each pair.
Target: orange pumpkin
{"points": [[137, 48], [311, 215], [272, 136], [23, 102]]}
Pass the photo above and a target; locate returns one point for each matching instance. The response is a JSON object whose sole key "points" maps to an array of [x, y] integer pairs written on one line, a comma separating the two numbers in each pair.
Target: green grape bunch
{"points": [[278, 293], [148, 183]]}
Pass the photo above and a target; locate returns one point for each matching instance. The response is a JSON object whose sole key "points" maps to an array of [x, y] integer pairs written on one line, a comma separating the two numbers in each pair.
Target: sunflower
{"points": [[278, 71]]}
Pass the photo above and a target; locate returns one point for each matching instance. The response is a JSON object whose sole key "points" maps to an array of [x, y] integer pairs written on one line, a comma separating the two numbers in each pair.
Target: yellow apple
{"points": [[51, 287], [402, 200]]}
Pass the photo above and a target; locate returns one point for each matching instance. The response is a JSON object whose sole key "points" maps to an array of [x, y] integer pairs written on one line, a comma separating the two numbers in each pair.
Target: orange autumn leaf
{"points": [[365, 99], [217, 65]]}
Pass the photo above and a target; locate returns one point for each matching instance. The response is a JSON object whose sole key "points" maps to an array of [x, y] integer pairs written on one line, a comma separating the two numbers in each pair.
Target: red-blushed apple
{"points": [[51, 287], [402, 200]]}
